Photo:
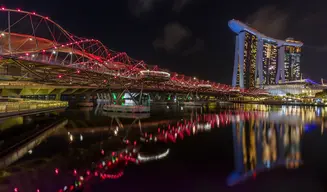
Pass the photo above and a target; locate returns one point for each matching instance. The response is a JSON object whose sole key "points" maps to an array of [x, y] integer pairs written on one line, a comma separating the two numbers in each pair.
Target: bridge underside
{"points": [[20, 77], [25, 88]]}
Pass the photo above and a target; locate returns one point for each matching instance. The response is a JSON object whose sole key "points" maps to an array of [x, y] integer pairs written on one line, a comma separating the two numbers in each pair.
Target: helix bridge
{"points": [[35, 51]]}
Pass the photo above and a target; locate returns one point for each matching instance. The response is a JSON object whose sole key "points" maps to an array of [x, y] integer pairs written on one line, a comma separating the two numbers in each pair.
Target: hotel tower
{"points": [[260, 60]]}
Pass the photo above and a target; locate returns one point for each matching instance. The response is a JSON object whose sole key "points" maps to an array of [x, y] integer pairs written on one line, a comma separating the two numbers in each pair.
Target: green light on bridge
{"points": [[114, 95]]}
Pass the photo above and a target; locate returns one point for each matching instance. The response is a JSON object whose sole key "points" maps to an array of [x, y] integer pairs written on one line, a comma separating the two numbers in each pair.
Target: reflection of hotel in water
{"points": [[260, 145]]}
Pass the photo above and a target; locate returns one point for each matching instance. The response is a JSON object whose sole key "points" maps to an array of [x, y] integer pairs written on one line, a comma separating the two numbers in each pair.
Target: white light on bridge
{"points": [[53, 52], [204, 86], [155, 73], [30, 39], [2, 34]]}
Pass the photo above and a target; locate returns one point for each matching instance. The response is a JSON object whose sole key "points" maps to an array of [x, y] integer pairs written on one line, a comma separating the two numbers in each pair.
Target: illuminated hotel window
{"points": [[292, 63], [250, 50]]}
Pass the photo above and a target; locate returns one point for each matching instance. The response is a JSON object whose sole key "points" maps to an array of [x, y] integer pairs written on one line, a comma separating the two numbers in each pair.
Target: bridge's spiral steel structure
{"points": [[28, 37]]}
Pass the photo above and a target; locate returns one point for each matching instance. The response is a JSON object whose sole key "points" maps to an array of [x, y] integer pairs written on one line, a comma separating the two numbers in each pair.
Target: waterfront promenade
{"points": [[272, 102], [17, 106]]}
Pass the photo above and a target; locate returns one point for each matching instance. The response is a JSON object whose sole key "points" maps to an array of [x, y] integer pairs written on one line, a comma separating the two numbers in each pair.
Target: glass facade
{"points": [[292, 62], [269, 65], [250, 67], [250, 54], [238, 76]]}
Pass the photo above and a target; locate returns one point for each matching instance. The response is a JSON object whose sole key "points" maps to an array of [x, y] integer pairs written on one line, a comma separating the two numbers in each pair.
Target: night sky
{"points": [[190, 36]]}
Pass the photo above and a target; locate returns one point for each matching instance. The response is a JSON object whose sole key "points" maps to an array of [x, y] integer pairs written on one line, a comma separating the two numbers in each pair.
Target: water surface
{"points": [[213, 148]]}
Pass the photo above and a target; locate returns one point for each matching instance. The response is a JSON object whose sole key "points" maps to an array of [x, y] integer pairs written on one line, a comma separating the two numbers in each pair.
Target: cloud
{"points": [[270, 21], [174, 34], [180, 4], [311, 29], [137, 7], [197, 46]]}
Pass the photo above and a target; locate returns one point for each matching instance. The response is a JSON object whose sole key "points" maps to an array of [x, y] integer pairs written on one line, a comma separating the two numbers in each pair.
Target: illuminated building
{"points": [[250, 60], [269, 64], [292, 62], [305, 87], [260, 60]]}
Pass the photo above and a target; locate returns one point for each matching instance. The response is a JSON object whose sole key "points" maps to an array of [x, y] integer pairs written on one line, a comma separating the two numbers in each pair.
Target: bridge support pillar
{"points": [[104, 98], [58, 96], [86, 101]]}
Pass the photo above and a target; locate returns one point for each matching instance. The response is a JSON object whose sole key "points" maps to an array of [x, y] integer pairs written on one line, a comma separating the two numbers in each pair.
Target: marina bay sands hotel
{"points": [[261, 60]]}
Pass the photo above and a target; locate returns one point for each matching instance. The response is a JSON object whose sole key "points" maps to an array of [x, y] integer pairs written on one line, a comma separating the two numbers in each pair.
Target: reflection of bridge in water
{"points": [[261, 141], [290, 116]]}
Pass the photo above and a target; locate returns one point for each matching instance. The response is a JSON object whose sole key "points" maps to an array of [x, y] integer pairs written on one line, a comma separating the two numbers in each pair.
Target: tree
{"points": [[321, 94]]}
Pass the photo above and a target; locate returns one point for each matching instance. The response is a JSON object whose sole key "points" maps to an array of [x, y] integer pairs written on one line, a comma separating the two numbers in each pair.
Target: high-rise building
{"points": [[260, 60], [292, 62], [269, 63], [250, 50]]}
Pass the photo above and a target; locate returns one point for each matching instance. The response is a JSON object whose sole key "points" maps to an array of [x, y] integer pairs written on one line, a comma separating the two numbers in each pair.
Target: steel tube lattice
{"points": [[47, 53]]}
